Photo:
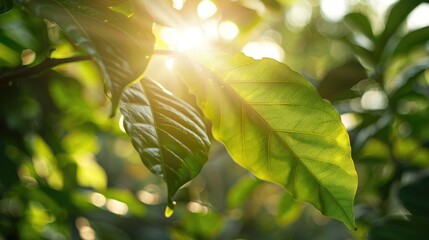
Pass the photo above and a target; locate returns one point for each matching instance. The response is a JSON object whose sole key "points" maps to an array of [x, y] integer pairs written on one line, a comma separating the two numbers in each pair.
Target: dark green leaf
{"points": [[364, 54], [414, 193], [20, 31], [403, 82], [412, 40], [396, 17], [5, 5], [361, 23], [120, 45], [338, 82], [398, 229], [273, 122], [167, 132]]}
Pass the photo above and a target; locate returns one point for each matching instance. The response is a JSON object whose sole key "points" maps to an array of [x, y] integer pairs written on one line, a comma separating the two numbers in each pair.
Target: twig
{"points": [[43, 66]]}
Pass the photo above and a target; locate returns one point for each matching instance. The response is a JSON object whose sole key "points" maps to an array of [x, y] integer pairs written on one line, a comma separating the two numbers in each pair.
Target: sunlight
{"points": [[299, 15], [334, 10], [169, 63], [418, 17], [381, 6], [211, 29], [150, 194], [148, 197], [350, 120], [184, 40], [27, 57], [374, 100], [264, 49], [178, 4], [85, 230], [228, 30], [206, 9], [121, 123], [197, 208], [98, 199], [116, 207]]}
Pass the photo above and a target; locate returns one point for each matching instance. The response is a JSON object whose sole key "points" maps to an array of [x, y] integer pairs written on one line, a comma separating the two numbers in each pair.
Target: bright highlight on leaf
{"points": [[274, 123]]}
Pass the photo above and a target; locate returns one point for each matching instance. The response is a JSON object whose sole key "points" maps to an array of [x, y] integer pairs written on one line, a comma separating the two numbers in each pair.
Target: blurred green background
{"points": [[68, 171]]}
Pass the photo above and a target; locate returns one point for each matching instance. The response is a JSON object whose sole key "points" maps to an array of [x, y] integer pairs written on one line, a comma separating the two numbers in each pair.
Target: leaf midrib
{"points": [[244, 104], [156, 129]]}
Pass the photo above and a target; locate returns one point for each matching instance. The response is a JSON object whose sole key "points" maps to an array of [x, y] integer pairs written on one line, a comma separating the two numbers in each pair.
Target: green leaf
{"points": [[398, 229], [338, 82], [404, 81], [167, 132], [361, 23], [5, 6], [273, 123], [414, 194], [412, 40], [121, 46], [396, 17], [241, 191]]}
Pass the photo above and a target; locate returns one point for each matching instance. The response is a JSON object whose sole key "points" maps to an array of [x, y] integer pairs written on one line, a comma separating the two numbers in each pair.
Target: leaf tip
{"points": [[169, 210]]}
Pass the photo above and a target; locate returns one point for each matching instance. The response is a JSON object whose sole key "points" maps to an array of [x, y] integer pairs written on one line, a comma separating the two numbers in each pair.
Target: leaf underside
{"points": [[167, 132], [121, 46], [273, 122]]}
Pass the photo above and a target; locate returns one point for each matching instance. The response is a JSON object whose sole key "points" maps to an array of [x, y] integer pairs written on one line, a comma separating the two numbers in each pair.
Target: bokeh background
{"points": [[68, 171]]}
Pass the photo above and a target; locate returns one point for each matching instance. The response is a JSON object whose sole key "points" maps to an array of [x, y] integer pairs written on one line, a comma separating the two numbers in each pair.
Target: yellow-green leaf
{"points": [[274, 123]]}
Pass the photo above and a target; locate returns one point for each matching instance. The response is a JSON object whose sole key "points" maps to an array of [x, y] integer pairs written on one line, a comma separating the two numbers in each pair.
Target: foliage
{"points": [[68, 171]]}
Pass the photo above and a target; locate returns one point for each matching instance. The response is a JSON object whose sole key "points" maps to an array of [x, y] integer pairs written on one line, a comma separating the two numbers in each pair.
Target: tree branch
{"points": [[48, 63]]}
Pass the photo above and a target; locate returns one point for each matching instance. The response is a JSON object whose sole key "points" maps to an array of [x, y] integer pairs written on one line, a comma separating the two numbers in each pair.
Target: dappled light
{"points": [[299, 15], [228, 30], [264, 49], [374, 100], [197, 208], [150, 195], [418, 18], [98, 199], [116, 207], [214, 119], [334, 10], [206, 9]]}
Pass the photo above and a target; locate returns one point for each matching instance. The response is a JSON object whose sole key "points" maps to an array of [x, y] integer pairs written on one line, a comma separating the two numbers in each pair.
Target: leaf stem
{"points": [[48, 63]]}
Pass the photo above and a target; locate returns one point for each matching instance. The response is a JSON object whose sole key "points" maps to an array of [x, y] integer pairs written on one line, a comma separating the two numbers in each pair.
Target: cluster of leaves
{"points": [[389, 139]]}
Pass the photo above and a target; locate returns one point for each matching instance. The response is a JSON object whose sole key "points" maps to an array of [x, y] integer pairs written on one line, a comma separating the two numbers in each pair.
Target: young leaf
{"points": [[121, 46], [273, 122], [167, 132]]}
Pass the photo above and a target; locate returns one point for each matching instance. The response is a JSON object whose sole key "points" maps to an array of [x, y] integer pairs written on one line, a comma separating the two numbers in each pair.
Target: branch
{"points": [[47, 64]]}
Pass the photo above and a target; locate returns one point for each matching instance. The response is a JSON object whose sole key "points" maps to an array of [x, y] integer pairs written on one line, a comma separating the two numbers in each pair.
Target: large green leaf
{"points": [[167, 132], [121, 45], [273, 122]]}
